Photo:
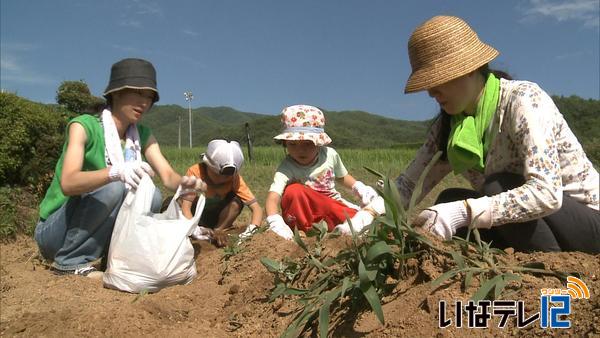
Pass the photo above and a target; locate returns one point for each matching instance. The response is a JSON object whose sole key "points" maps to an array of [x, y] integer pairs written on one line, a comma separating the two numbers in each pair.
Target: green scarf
{"points": [[468, 142]]}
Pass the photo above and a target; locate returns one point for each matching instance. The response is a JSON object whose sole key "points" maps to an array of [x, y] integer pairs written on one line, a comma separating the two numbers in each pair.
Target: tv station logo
{"points": [[555, 307]]}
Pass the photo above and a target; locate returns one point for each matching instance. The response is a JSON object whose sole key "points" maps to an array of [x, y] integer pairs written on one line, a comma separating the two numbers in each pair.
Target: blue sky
{"points": [[262, 55]]}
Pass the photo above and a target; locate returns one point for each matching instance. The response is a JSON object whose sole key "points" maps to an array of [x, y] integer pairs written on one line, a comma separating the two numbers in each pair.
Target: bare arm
{"points": [[73, 180], [272, 203], [186, 208], [347, 181], [257, 213]]}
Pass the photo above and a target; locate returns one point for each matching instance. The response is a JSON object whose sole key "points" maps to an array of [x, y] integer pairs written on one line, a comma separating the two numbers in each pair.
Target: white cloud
{"points": [[14, 70], [130, 23], [137, 11], [585, 11], [147, 8], [190, 32]]}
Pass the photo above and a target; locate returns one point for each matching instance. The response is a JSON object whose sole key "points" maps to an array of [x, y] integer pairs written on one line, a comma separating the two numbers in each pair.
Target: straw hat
{"points": [[303, 122], [134, 74], [444, 48]]}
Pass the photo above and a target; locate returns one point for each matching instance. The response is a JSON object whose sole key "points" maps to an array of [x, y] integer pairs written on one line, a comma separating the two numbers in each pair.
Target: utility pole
{"points": [[249, 140], [179, 133], [189, 97]]}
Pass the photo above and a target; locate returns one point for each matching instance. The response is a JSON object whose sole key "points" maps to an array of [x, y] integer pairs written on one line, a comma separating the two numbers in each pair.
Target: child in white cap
{"points": [[226, 192], [304, 184]]}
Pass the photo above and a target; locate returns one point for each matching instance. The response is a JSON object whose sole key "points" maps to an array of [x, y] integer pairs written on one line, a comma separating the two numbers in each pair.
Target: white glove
{"points": [[202, 233], [360, 220], [377, 206], [190, 185], [130, 172], [364, 192], [443, 219], [278, 226], [250, 230]]}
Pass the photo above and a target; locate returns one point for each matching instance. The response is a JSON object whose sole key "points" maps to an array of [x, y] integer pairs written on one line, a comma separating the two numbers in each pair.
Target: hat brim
{"points": [[319, 139], [129, 86], [449, 69]]}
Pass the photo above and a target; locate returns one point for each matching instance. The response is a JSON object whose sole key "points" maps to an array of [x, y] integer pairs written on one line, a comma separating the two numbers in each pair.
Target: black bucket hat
{"points": [[132, 73]]}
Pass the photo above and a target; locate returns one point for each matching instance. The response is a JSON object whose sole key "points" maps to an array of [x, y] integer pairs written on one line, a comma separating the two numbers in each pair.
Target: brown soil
{"points": [[229, 298]]}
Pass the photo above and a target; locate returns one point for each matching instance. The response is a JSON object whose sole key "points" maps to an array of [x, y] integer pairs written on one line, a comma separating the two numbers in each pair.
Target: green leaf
{"points": [[468, 279], [322, 227], [312, 232], [445, 276], [277, 291], [297, 325], [317, 263], [535, 265], [458, 258], [271, 265], [345, 286], [299, 240], [374, 172], [507, 277], [486, 288], [477, 238], [365, 276], [390, 189], [419, 185], [294, 291], [324, 312], [376, 250], [373, 298]]}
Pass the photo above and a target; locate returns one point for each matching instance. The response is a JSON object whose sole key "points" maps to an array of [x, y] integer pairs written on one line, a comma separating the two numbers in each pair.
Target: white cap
{"points": [[224, 157]]}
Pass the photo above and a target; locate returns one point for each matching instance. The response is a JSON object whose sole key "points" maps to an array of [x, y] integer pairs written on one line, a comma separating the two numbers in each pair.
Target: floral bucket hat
{"points": [[303, 122]]}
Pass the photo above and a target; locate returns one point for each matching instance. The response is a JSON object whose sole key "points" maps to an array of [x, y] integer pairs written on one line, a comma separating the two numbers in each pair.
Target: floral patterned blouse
{"points": [[529, 137]]}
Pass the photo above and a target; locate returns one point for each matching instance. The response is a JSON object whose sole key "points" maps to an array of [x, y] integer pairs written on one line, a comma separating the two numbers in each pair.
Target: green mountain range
{"points": [[348, 129]]}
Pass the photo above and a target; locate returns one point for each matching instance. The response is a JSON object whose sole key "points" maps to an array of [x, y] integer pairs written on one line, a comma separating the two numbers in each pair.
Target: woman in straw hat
{"points": [[95, 170], [534, 187]]}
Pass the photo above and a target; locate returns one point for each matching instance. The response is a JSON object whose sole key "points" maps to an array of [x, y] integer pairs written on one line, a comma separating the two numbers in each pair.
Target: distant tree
{"points": [[76, 97]]}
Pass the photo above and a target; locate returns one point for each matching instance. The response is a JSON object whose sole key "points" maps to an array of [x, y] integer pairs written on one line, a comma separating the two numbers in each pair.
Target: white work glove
{"points": [[364, 192], [360, 220], [250, 230], [377, 206], [190, 186], [443, 219], [278, 226], [130, 172], [202, 233]]}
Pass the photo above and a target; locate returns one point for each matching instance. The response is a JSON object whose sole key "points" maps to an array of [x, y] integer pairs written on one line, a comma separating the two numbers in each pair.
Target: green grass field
{"points": [[259, 172]]}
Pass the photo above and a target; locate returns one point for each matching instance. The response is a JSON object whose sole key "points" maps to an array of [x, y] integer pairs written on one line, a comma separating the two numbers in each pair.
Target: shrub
{"points": [[32, 136]]}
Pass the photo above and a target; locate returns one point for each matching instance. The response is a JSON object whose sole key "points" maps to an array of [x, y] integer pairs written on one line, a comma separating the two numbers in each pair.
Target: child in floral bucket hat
{"points": [[304, 184]]}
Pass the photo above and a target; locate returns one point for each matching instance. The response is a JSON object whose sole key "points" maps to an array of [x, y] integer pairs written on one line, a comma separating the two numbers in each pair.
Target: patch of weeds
{"points": [[358, 275]]}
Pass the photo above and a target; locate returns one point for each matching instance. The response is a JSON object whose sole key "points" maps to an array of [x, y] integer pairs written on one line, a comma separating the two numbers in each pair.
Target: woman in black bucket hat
{"points": [[94, 172]]}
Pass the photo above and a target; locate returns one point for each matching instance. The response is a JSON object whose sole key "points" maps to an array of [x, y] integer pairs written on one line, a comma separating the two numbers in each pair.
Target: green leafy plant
{"points": [[361, 273]]}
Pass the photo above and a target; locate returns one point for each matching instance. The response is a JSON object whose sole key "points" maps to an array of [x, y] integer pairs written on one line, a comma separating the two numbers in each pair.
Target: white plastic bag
{"points": [[150, 251]]}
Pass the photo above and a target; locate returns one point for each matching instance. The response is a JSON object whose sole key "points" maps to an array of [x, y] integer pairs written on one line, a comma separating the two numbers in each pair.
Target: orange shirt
{"points": [[217, 192]]}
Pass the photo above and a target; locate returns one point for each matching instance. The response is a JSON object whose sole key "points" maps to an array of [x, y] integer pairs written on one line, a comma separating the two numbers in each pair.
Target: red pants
{"points": [[303, 206]]}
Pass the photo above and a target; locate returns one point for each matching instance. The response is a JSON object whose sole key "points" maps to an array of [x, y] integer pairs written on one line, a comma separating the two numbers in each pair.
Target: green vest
{"points": [[93, 159]]}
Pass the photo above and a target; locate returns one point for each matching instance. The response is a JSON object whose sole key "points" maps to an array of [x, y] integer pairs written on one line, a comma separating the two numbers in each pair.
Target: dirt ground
{"points": [[230, 299]]}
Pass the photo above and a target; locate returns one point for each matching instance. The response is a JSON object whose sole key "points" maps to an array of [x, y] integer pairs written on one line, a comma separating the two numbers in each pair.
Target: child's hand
{"points": [[220, 237], [250, 230], [278, 226], [364, 192]]}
